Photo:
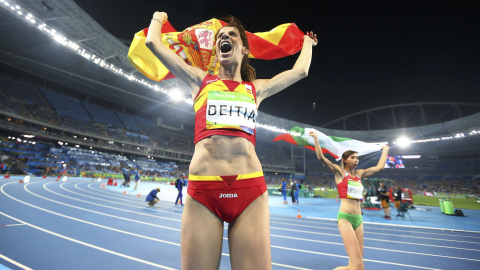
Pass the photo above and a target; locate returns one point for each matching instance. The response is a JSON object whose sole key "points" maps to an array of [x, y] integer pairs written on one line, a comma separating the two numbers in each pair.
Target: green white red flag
{"points": [[335, 146]]}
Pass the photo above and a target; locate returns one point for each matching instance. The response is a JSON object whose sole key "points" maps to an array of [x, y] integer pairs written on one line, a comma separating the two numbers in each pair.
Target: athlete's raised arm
{"points": [[191, 76], [331, 166], [268, 87], [381, 164]]}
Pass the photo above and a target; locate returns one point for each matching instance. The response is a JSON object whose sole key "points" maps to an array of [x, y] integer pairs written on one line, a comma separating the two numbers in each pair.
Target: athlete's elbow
{"points": [[300, 73], [303, 73], [149, 44]]}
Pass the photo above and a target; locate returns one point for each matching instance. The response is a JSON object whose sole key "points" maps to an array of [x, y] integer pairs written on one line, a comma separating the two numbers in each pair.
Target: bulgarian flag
{"points": [[335, 146], [196, 46]]}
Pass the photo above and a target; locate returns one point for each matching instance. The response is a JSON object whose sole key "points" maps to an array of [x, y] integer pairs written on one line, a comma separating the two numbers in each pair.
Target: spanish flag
{"points": [[196, 45]]}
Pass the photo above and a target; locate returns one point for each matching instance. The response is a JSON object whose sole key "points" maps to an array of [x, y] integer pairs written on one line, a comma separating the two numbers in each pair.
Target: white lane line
{"points": [[88, 222], [84, 243], [331, 221], [338, 235], [98, 225], [101, 205], [373, 239], [8, 225], [113, 194], [403, 226], [375, 233], [14, 262], [346, 257], [100, 213], [381, 249], [117, 199], [278, 264]]}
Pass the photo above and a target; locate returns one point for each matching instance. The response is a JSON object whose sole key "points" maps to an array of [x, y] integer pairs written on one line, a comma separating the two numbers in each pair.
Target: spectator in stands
{"points": [[152, 198], [384, 200], [397, 197]]}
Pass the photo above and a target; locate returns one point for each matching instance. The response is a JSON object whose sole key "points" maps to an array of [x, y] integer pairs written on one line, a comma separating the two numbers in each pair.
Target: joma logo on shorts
{"points": [[228, 195]]}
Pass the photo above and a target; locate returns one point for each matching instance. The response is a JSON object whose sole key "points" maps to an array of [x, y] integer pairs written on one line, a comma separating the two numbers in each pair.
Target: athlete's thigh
{"points": [[201, 237], [359, 235], [349, 240], [249, 237]]}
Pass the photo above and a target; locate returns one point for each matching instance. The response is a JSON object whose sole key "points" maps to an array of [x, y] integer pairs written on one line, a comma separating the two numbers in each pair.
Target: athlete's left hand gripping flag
{"points": [[196, 46]]}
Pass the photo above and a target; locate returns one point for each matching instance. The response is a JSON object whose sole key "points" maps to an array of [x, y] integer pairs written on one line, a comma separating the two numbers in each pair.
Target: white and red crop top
{"points": [[351, 187], [224, 107]]}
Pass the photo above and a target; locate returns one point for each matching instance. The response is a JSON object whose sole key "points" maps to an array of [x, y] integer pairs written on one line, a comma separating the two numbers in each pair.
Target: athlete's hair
{"points": [[248, 72], [345, 155]]}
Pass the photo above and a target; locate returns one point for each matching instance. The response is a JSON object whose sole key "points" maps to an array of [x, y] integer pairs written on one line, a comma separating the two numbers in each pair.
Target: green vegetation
{"points": [[461, 203]]}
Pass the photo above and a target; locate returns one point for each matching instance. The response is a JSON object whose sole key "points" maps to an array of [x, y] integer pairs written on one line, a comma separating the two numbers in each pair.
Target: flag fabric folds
{"points": [[196, 46], [335, 146]]}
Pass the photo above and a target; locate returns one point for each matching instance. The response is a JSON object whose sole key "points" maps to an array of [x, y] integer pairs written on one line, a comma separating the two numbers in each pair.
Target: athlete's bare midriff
{"points": [[349, 206], [224, 155]]}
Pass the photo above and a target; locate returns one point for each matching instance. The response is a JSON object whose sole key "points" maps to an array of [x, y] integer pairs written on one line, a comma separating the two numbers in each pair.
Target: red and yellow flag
{"points": [[196, 45]]}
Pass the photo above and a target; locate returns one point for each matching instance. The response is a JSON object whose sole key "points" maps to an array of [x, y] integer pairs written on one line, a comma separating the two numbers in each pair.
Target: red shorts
{"points": [[227, 196]]}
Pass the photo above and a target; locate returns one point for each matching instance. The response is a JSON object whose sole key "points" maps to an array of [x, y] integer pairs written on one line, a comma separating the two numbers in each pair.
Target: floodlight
{"points": [[176, 94], [403, 142]]}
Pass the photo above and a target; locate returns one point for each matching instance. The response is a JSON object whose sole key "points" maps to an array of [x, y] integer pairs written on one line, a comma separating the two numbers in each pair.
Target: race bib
{"points": [[231, 110], [354, 190]]}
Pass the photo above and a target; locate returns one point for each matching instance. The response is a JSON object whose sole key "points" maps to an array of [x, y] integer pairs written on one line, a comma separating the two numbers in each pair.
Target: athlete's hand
{"points": [[310, 36], [161, 16], [385, 147], [313, 134]]}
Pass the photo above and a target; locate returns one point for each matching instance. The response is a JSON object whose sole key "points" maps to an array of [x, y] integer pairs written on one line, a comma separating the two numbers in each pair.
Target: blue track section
{"points": [[77, 224]]}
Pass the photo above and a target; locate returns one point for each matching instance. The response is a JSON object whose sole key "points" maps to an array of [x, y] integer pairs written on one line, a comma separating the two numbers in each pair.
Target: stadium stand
{"points": [[65, 105]]}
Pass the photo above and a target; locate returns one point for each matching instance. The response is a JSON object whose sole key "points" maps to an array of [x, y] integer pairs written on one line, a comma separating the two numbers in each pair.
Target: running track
{"points": [[78, 225]]}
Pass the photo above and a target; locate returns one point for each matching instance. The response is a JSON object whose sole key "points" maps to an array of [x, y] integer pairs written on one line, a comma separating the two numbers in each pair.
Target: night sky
{"points": [[370, 53]]}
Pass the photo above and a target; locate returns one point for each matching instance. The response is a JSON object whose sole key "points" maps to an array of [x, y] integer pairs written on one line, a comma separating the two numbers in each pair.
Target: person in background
{"points": [[297, 189], [397, 197], [284, 191], [126, 179], [350, 190], [137, 179], [179, 187], [384, 200], [293, 188], [152, 197]]}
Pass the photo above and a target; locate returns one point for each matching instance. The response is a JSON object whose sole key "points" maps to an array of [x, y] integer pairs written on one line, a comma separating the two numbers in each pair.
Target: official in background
{"points": [[179, 187], [152, 198], [384, 200], [293, 188], [397, 197]]}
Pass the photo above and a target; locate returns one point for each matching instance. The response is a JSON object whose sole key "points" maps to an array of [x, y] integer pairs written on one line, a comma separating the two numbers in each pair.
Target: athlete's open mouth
{"points": [[225, 46]]}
